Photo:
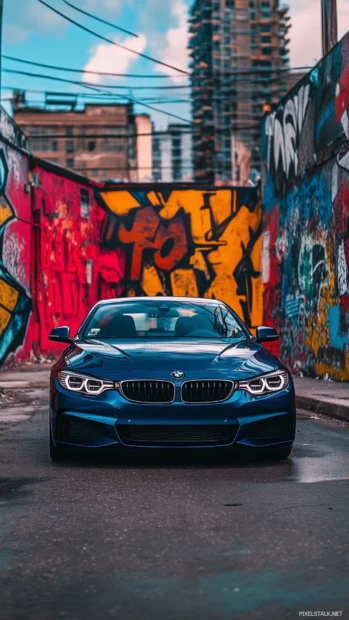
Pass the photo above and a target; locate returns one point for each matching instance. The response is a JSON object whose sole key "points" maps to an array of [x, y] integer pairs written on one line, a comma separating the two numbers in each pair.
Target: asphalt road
{"points": [[173, 537]]}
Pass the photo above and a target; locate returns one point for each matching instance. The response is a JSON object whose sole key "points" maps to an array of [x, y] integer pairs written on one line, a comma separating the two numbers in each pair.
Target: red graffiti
{"points": [[169, 243], [342, 98]]}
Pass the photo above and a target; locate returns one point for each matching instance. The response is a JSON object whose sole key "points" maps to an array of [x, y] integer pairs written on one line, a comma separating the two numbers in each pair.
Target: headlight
{"points": [[266, 384], [83, 384]]}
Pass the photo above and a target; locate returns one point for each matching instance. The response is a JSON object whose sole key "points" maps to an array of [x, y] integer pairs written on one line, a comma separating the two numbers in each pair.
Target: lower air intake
{"points": [[80, 432], [176, 435]]}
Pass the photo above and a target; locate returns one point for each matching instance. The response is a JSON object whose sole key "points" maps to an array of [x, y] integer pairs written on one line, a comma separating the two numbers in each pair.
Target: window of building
{"points": [[114, 130], [84, 202], [91, 146], [70, 162], [113, 146], [266, 38], [41, 143], [69, 131], [69, 146]]}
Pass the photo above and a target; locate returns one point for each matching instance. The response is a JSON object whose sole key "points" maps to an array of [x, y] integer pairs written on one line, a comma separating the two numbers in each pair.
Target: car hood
{"points": [[198, 359]]}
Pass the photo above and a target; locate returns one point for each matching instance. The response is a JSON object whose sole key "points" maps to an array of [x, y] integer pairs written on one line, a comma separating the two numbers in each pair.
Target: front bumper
{"points": [[109, 419]]}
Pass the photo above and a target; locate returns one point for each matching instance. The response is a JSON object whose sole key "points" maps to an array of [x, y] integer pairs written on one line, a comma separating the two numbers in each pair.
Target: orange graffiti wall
{"points": [[188, 242]]}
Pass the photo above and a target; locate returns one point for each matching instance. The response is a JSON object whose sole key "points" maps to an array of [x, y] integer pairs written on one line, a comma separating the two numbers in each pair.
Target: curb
{"points": [[328, 409]]}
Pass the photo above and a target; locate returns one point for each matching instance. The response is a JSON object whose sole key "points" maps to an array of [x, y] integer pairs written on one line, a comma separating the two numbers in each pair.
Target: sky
{"points": [[32, 32]]}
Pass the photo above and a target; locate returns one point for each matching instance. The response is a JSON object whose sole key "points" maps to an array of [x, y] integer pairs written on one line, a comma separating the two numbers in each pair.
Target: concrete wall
{"points": [[305, 255], [66, 242]]}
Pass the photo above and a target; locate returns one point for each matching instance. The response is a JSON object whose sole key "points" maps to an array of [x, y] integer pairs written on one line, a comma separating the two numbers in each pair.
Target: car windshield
{"points": [[168, 320]]}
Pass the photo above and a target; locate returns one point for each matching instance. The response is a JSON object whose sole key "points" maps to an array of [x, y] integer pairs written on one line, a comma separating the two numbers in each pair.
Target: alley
{"points": [[192, 536]]}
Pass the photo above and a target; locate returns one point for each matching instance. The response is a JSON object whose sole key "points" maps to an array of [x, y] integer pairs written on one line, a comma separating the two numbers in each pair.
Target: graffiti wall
{"points": [[188, 242], [305, 246], [74, 269], [15, 249], [67, 242]]}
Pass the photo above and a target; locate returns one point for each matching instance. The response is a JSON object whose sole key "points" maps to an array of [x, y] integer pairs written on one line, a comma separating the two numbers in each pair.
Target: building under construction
{"points": [[240, 58]]}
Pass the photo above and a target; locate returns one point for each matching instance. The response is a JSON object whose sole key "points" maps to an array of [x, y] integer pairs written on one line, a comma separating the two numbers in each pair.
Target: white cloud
{"points": [[175, 52], [109, 58], [113, 6]]}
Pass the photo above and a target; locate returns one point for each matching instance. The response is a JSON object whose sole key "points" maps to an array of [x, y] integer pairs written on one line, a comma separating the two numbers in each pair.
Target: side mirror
{"points": [[60, 334], [267, 334]]}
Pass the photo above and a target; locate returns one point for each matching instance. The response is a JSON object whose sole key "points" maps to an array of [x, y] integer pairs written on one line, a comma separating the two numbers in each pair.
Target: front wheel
{"points": [[56, 454]]}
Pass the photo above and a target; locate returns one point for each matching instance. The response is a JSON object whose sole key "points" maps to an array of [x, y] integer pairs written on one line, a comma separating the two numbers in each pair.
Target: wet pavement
{"points": [[174, 536]]}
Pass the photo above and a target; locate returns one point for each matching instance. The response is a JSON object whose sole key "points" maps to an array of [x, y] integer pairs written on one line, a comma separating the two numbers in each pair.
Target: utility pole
{"points": [[329, 25]]}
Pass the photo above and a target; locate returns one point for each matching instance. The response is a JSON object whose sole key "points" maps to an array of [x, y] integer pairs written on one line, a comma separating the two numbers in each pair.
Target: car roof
{"points": [[158, 299]]}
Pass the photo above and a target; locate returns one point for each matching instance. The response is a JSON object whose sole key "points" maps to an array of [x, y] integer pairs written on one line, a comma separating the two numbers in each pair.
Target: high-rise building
{"points": [[96, 140], [172, 154], [239, 51]]}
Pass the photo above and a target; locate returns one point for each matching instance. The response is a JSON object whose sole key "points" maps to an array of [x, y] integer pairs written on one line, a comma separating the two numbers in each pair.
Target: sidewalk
{"points": [[328, 398], [23, 392]]}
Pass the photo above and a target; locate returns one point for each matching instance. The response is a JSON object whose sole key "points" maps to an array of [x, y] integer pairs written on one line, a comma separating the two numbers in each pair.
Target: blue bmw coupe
{"points": [[167, 372]]}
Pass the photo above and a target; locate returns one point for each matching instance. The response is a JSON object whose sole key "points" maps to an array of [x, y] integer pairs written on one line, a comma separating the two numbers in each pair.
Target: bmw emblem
{"points": [[178, 374]]}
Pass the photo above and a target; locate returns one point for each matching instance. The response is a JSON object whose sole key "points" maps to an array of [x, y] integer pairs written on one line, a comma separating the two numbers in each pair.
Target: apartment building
{"points": [[239, 59], [172, 154], [97, 140]]}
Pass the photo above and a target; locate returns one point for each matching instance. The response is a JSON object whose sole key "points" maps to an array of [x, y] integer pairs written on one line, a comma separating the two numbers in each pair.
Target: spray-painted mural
{"points": [[74, 268], [305, 249], [15, 303], [66, 242], [189, 242]]}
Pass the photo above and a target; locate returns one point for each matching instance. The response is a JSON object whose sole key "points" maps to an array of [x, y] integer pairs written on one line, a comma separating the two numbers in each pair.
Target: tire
{"points": [[57, 454], [276, 454]]}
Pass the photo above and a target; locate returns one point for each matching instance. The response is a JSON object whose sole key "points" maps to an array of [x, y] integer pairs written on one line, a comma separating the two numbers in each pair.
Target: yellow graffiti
{"points": [[120, 202], [8, 296], [5, 211], [8, 301], [151, 283], [183, 282], [221, 235], [4, 319]]}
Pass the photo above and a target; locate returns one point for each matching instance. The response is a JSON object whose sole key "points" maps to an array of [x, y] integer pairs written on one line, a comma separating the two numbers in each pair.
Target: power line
{"points": [[73, 70], [252, 70], [128, 168], [103, 136], [103, 88], [109, 99], [115, 96], [95, 34], [89, 85], [55, 79], [98, 19]]}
